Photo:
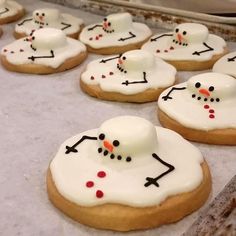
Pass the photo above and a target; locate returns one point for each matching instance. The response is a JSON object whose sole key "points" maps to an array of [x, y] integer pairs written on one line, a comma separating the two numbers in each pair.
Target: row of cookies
{"points": [[130, 144]]}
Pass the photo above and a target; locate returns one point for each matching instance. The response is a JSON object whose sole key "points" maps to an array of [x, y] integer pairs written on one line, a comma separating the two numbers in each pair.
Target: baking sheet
{"points": [[37, 113]]}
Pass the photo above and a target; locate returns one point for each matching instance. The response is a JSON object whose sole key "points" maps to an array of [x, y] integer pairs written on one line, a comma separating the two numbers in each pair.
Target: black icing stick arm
{"points": [[4, 11], [93, 27], [167, 96], [73, 147], [32, 58], [65, 26], [153, 181], [109, 59], [231, 58], [198, 53], [25, 20], [138, 81], [160, 36], [130, 37]]}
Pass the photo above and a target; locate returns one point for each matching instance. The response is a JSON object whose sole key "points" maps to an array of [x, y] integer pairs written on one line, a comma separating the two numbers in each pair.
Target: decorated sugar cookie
{"points": [[45, 51], [202, 109], [226, 64], [188, 47], [10, 11], [124, 176], [135, 76], [116, 34], [49, 17]]}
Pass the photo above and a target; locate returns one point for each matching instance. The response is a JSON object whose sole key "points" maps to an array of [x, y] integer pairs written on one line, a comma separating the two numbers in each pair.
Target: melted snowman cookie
{"points": [[116, 34], [226, 64], [10, 11], [120, 173], [135, 76], [188, 47], [45, 51], [49, 17], [202, 109]]}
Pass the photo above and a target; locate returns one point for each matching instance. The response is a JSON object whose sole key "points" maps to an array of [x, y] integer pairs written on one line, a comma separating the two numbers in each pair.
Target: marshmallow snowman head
{"points": [[136, 60], [126, 137], [48, 38], [212, 87], [189, 33], [46, 15], [2, 3], [117, 22]]}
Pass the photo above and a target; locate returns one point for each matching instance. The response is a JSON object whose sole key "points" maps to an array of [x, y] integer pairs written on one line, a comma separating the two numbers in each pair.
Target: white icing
{"points": [[115, 27], [226, 64], [49, 17], [134, 63], [12, 6], [186, 39], [190, 111], [42, 43], [124, 181]]}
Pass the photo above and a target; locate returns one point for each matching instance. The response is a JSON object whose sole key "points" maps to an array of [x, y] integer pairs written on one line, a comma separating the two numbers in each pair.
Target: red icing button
{"points": [[206, 106], [97, 38], [157, 50], [90, 184], [92, 78], [99, 194], [103, 76], [211, 111], [111, 73], [101, 174], [211, 116], [165, 50]]}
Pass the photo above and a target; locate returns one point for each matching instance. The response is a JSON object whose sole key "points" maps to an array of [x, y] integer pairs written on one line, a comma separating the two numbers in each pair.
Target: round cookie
{"points": [[49, 17], [46, 51], [201, 109], [226, 64], [135, 76], [116, 34], [189, 47], [10, 11], [124, 176]]}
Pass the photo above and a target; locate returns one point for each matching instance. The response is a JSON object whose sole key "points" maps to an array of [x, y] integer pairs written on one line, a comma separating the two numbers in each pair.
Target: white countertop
{"points": [[37, 113]]}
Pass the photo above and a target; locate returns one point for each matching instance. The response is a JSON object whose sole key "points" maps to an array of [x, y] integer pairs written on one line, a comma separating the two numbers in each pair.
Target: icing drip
{"points": [[210, 97], [129, 73], [155, 172], [188, 41]]}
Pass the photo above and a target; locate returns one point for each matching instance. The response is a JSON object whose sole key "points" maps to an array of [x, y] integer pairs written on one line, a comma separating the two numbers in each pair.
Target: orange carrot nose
{"points": [[30, 39], [120, 61], [105, 25], [179, 36], [108, 146], [41, 17], [204, 92]]}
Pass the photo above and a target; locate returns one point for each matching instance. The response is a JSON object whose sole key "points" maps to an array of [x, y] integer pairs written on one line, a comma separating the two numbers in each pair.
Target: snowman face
{"points": [[135, 60], [46, 15], [123, 138], [47, 38], [117, 22], [211, 87], [189, 33]]}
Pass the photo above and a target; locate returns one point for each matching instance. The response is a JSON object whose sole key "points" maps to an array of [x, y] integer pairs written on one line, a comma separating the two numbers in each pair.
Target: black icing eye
{"points": [[124, 58], [37, 13], [116, 143], [43, 14], [105, 19], [101, 136], [184, 33], [211, 88], [177, 30], [197, 85], [109, 23]]}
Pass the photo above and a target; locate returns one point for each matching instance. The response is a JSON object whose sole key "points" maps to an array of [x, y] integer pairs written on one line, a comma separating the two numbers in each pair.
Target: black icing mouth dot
{"points": [[112, 156], [119, 157], [105, 152], [99, 150]]}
